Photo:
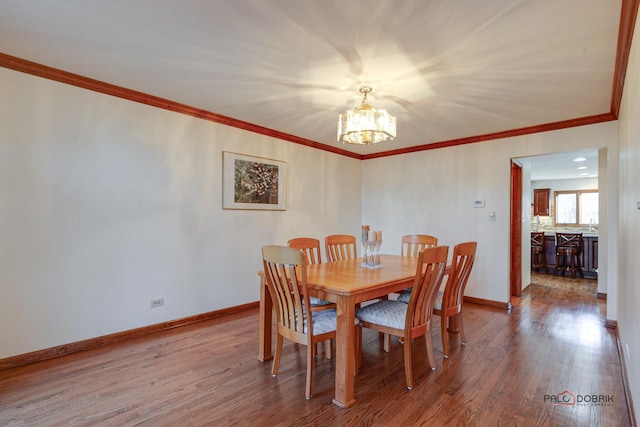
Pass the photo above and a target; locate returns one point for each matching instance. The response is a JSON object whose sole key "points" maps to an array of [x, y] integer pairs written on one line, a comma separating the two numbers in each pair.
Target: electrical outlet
{"points": [[157, 302], [492, 216]]}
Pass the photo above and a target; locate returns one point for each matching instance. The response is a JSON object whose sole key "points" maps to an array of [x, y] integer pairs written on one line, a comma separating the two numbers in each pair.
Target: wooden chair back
{"points": [[310, 248], [429, 273], [537, 238], [464, 255], [569, 241], [413, 244], [286, 274], [340, 247]]}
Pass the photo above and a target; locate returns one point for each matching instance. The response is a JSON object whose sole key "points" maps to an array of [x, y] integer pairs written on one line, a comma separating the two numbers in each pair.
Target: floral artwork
{"points": [[253, 182]]}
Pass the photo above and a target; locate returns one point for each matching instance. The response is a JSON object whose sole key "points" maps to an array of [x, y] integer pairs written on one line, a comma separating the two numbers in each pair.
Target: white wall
{"points": [[106, 204], [565, 184], [628, 244], [433, 192]]}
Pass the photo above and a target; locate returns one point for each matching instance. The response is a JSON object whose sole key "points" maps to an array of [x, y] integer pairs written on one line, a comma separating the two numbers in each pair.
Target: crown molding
{"points": [[61, 76], [582, 121], [628, 16]]}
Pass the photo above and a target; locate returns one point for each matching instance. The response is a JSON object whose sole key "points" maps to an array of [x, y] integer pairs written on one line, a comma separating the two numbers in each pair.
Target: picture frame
{"points": [[251, 182]]}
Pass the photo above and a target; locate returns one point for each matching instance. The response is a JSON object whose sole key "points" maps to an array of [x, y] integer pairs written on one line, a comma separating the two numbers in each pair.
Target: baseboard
{"points": [[611, 324], [601, 295], [65, 349], [481, 301], [625, 379], [526, 290]]}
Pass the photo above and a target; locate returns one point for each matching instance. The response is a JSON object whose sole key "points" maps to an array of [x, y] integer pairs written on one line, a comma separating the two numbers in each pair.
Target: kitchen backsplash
{"points": [[545, 223]]}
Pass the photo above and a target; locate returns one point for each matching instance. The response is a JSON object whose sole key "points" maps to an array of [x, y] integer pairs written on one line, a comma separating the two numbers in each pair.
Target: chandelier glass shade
{"points": [[366, 125]]}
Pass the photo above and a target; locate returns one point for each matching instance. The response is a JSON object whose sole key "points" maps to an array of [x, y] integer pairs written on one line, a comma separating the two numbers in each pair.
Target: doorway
{"points": [[552, 170]]}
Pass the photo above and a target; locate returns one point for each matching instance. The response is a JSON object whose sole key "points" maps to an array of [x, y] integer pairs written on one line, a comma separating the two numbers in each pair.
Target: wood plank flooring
{"points": [[554, 340]]}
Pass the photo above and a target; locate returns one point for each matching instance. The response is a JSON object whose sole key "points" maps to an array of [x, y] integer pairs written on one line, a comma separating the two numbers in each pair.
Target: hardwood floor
{"points": [[554, 340]]}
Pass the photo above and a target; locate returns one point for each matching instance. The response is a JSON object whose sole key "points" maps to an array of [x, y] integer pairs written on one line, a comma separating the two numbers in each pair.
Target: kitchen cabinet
{"points": [[590, 256], [541, 203], [550, 252]]}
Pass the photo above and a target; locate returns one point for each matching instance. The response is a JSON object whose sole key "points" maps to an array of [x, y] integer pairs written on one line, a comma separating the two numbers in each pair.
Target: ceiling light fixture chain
{"points": [[364, 90]]}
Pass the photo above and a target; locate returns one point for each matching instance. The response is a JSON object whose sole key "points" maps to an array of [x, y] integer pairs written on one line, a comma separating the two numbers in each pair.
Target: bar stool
{"points": [[569, 248], [538, 255]]}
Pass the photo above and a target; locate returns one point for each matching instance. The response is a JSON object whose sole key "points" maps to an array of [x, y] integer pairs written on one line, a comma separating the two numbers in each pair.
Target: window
{"points": [[577, 208]]}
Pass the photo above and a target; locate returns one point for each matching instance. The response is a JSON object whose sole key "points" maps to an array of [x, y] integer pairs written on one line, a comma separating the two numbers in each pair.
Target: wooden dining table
{"points": [[345, 283]]}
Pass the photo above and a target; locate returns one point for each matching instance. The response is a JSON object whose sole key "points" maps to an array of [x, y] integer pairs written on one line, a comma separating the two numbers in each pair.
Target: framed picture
{"points": [[250, 182]]}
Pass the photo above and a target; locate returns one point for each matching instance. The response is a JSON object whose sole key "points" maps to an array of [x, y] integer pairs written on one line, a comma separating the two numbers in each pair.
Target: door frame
{"points": [[515, 276]]}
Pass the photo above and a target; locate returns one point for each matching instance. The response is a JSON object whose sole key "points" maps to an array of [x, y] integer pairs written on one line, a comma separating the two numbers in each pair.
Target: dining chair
{"points": [[448, 304], [286, 273], [340, 247], [569, 248], [538, 255], [411, 320], [413, 244], [310, 248]]}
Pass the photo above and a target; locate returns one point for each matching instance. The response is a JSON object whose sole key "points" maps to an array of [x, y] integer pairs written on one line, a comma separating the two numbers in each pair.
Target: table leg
{"points": [[266, 322], [345, 353]]}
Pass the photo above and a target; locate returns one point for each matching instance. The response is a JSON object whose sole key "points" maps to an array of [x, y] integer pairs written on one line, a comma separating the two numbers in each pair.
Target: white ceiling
{"points": [[448, 69], [564, 165]]}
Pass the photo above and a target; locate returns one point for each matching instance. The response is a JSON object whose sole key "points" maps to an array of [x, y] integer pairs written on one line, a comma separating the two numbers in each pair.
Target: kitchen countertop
{"points": [[584, 233]]}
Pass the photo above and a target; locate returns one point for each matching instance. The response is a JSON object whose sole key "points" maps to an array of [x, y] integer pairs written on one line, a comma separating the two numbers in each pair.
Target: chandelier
{"points": [[365, 125]]}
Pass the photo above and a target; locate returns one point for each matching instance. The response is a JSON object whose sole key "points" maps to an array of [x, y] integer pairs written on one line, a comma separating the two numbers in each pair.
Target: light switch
{"points": [[492, 216]]}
